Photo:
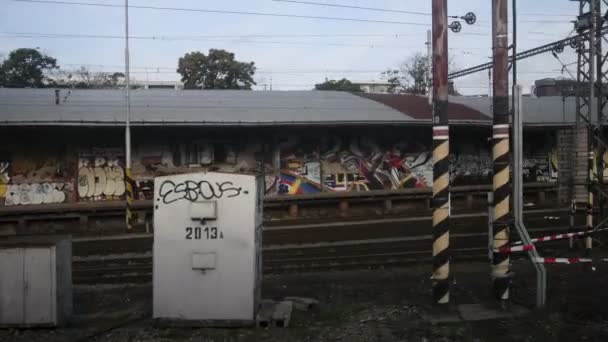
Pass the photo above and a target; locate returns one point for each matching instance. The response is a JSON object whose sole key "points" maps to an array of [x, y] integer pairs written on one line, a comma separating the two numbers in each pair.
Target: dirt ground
{"points": [[364, 305]]}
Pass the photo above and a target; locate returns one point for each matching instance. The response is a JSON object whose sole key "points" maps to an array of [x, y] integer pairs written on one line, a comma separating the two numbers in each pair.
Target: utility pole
{"points": [[501, 275], [429, 55], [441, 152], [590, 103], [593, 114], [128, 176]]}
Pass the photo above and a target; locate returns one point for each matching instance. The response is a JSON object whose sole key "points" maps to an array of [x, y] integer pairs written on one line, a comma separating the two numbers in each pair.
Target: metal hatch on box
{"points": [[207, 248]]}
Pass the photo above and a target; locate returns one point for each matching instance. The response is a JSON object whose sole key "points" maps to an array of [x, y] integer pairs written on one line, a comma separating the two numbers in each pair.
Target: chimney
{"points": [[57, 96]]}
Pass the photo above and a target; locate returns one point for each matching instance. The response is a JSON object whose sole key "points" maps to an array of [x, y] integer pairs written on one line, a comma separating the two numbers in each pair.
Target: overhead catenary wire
{"points": [[181, 9], [351, 45], [285, 15], [355, 7], [376, 9]]}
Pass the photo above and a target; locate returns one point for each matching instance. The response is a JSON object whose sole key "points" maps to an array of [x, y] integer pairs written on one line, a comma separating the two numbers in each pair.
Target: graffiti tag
{"points": [[194, 191]]}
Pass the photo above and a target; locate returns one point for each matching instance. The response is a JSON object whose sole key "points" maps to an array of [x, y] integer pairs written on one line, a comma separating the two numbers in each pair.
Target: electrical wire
{"points": [[367, 45], [413, 12], [168, 37], [355, 7], [282, 15]]}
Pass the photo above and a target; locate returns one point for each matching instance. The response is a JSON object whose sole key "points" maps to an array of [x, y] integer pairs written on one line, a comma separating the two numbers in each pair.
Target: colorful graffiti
{"points": [[37, 193], [470, 168], [360, 165], [4, 178], [294, 184], [100, 176]]}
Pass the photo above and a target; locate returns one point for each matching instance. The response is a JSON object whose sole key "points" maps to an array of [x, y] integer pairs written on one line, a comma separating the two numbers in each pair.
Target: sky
{"points": [[286, 55]]}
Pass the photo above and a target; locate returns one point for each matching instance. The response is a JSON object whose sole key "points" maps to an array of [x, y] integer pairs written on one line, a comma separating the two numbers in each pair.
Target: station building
{"points": [[67, 146]]}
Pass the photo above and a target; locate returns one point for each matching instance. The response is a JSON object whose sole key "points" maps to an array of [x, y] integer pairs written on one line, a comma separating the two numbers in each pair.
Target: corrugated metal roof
{"points": [[193, 107], [418, 107], [241, 108], [550, 110]]}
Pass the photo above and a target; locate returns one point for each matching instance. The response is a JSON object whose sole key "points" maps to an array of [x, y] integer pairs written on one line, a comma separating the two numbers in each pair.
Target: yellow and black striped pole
{"points": [[130, 186], [441, 152], [501, 151]]}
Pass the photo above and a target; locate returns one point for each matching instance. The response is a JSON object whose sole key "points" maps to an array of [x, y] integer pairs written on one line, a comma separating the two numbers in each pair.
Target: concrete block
{"points": [[282, 314], [264, 316], [302, 303]]}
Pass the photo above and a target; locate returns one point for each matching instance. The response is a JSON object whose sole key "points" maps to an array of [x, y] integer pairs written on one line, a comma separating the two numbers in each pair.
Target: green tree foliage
{"points": [[216, 70], [340, 85], [26, 68], [413, 77]]}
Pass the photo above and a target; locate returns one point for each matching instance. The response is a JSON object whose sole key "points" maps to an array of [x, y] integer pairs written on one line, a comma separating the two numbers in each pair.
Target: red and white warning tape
{"points": [[561, 260], [513, 249], [560, 236]]}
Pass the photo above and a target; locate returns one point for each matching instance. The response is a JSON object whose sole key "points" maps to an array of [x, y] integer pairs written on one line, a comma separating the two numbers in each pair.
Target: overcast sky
{"points": [[290, 60]]}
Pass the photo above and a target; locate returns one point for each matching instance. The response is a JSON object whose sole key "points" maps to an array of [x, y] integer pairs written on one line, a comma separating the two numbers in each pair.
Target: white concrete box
{"points": [[35, 281], [207, 248]]}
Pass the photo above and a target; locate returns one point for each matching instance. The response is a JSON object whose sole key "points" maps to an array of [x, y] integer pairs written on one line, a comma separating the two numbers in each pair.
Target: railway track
{"points": [[314, 245], [301, 233]]}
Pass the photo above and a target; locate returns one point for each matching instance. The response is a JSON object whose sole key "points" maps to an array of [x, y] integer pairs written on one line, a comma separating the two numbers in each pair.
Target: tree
{"points": [[26, 68], [340, 85], [83, 78], [413, 76], [217, 70]]}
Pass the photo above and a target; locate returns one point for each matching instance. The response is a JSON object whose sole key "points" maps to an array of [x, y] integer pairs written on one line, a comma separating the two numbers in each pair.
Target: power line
{"points": [[366, 45], [282, 15], [168, 37], [413, 12], [353, 7]]}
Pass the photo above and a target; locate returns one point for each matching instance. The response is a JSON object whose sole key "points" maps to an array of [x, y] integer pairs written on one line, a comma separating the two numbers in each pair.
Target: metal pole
{"points": [[429, 54], [572, 223], [441, 152], [128, 176], [600, 102], [518, 208], [501, 274], [593, 114], [514, 53]]}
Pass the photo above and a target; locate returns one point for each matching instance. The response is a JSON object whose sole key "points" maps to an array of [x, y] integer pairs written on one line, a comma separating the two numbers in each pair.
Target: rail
{"points": [[271, 200]]}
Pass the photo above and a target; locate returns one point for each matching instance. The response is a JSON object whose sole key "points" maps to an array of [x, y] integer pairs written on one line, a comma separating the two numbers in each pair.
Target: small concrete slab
{"points": [[303, 303], [264, 316], [482, 312], [282, 314]]}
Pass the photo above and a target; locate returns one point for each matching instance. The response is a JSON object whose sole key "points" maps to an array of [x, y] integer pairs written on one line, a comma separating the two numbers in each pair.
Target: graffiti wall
{"points": [[37, 193], [364, 164], [353, 164], [101, 175], [236, 154], [37, 177], [292, 162], [4, 177]]}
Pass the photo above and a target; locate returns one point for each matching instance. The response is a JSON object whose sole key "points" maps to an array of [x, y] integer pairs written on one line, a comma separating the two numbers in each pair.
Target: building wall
{"points": [[68, 165], [378, 88]]}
